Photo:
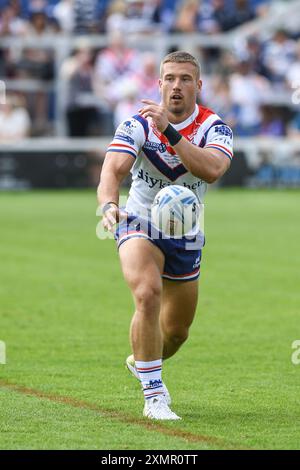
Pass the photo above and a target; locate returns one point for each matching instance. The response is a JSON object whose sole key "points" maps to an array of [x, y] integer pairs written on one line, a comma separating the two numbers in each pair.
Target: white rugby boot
{"points": [[157, 408], [130, 364]]}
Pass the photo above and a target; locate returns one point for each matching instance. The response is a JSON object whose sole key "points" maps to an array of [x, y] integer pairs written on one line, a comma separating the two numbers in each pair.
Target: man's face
{"points": [[179, 87]]}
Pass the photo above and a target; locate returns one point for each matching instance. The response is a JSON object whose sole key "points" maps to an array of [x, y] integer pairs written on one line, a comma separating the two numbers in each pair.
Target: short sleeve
{"points": [[220, 137], [129, 138]]}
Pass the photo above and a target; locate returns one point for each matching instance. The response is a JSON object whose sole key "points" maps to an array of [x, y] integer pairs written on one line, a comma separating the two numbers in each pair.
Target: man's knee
{"points": [[147, 297]]}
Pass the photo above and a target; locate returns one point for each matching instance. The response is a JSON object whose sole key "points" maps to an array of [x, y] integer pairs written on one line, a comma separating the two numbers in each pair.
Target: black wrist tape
{"points": [[172, 135]]}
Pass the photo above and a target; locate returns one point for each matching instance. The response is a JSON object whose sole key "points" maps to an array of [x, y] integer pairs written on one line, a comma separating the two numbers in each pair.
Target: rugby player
{"points": [[177, 142]]}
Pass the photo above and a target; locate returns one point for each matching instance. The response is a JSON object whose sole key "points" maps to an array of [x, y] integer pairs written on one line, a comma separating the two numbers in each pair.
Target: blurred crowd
{"points": [[105, 85], [21, 17]]}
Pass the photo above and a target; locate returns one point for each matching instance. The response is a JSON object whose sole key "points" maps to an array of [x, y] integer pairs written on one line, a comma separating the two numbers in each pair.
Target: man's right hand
{"points": [[110, 217]]}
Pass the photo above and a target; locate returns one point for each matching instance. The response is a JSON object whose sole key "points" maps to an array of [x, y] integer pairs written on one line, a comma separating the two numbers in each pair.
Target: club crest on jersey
{"points": [[128, 127], [129, 124]]}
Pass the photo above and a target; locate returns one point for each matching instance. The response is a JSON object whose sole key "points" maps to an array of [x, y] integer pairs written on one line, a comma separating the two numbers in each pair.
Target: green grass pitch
{"points": [[65, 314]]}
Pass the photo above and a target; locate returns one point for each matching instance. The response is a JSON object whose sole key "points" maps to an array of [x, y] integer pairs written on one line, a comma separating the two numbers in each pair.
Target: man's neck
{"points": [[178, 118]]}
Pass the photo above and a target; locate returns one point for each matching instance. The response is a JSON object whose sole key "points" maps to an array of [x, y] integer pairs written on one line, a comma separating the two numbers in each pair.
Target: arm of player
{"points": [[208, 164], [115, 168]]}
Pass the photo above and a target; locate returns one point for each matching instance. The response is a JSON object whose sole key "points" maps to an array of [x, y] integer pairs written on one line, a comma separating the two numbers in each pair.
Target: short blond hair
{"points": [[181, 57]]}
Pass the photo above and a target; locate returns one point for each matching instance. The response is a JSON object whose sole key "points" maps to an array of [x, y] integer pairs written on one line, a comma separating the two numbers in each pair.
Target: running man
{"points": [[173, 142]]}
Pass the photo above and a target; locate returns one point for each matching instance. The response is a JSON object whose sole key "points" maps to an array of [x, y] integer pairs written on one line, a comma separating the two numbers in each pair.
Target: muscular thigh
{"points": [[179, 302], [142, 262]]}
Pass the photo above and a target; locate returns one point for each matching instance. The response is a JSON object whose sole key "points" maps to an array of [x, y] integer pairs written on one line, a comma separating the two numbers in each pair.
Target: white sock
{"points": [[150, 376]]}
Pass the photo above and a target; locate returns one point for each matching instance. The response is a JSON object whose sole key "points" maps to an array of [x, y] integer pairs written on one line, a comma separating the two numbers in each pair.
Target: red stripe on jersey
{"points": [[192, 128], [190, 131], [218, 145], [204, 113], [122, 145]]}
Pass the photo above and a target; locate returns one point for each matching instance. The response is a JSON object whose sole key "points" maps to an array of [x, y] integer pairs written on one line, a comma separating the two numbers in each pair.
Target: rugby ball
{"points": [[175, 211]]}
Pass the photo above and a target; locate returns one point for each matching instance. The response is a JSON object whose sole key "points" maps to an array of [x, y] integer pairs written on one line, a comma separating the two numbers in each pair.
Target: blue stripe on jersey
{"points": [[215, 123], [171, 173], [144, 123], [121, 151]]}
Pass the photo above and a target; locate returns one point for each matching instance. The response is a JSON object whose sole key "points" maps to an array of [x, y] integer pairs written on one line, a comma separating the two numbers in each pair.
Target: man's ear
{"points": [[159, 83], [199, 85]]}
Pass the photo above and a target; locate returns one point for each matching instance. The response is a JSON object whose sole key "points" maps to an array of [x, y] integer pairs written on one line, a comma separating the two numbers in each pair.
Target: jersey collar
{"points": [[188, 121]]}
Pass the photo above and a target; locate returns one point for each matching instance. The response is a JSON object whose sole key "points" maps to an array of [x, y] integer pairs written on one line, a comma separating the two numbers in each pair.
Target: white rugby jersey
{"points": [[156, 163]]}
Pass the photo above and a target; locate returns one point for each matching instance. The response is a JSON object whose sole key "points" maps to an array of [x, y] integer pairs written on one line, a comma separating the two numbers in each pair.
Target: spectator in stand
{"points": [[250, 49], [63, 12], [146, 78], [186, 19], [241, 13], [248, 90], [11, 24], [254, 55], [127, 91], [136, 86], [135, 20], [272, 123], [227, 63], [279, 56], [233, 15], [86, 16], [78, 72], [162, 15], [142, 16], [136, 16], [219, 99], [207, 22], [293, 72], [260, 7], [116, 16], [39, 24], [38, 64], [14, 119], [221, 15], [114, 64], [129, 102], [293, 129]]}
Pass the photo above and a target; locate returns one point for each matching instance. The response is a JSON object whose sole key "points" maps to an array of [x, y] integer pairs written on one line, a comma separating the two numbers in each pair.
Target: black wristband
{"points": [[107, 206], [172, 135]]}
